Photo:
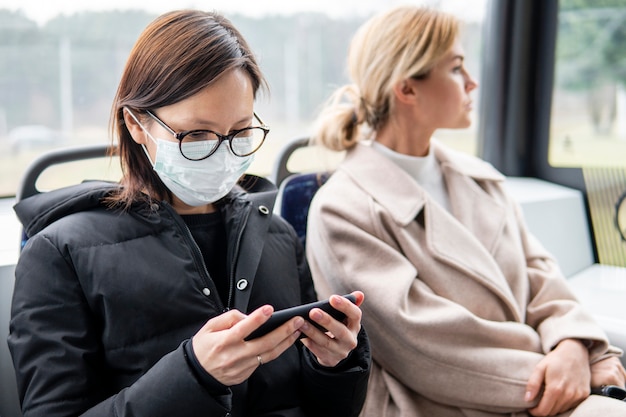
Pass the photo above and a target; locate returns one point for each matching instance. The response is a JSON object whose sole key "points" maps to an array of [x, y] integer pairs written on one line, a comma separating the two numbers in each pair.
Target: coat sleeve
{"points": [[59, 362], [553, 309], [429, 344]]}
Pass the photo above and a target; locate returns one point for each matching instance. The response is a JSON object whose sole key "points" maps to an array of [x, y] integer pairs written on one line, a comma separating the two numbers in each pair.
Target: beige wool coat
{"points": [[459, 307]]}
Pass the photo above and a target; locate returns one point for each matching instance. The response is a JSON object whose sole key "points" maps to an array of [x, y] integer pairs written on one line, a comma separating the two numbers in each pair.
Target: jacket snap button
{"points": [[206, 291], [242, 284], [264, 210]]}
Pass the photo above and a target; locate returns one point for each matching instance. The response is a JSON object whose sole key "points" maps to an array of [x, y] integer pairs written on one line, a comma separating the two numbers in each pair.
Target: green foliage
{"points": [[591, 45]]}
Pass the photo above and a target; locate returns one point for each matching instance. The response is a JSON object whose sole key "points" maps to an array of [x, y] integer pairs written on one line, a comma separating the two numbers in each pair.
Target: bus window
{"points": [[588, 124], [61, 66]]}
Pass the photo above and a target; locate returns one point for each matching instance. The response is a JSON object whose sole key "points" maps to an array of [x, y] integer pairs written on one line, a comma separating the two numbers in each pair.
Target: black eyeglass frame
{"points": [[221, 138]]}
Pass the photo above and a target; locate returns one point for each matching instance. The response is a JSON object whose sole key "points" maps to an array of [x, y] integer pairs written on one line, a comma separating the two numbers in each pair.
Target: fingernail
{"points": [[298, 322], [316, 315], [267, 310], [527, 396]]}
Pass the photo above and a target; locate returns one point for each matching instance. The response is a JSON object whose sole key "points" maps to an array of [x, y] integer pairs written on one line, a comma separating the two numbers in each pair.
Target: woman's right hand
{"points": [[561, 380], [222, 351]]}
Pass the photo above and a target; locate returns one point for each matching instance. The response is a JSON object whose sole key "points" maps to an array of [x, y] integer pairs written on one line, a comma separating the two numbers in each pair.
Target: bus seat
{"points": [[9, 402], [294, 197], [28, 185], [281, 169], [296, 188]]}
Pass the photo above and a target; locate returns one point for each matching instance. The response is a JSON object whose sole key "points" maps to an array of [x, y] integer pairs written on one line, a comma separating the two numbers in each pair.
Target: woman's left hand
{"points": [[608, 371], [335, 345]]}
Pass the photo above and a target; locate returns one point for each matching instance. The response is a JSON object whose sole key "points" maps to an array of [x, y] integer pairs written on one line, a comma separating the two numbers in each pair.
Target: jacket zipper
{"points": [[196, 254]]}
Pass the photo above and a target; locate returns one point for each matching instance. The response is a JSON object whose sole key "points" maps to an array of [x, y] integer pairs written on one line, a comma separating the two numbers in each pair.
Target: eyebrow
{"points": [[212, 123]]}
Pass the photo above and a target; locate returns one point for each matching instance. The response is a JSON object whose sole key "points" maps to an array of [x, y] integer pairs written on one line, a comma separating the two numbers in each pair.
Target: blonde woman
{"points": [[467, 313]]}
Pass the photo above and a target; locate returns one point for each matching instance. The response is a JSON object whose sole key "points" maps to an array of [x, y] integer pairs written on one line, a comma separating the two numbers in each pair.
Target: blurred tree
{"points": [[591, 49], [24, 52], [303, 57], [100, 44], [592, 34]]}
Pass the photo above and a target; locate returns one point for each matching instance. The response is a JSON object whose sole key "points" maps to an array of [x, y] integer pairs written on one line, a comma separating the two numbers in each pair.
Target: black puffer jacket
{"points": [[104, 301]]}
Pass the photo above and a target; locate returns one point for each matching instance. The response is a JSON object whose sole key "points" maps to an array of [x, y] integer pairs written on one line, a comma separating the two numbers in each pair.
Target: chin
{"points": [[463, 124]]}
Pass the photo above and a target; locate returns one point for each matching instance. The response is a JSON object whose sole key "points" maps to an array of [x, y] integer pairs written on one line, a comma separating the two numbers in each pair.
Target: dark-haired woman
{"points": [[136, 299]]}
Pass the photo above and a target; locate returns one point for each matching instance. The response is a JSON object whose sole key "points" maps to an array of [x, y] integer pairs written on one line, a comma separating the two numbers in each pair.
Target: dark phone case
{"points": [[281, 316]]}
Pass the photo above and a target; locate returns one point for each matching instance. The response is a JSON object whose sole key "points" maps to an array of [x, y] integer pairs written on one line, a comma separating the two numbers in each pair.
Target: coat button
{"points": [[206, 291], [242, 284], [264, 210]]}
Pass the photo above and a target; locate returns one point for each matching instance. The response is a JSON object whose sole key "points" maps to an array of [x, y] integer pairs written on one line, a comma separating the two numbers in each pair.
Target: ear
{"points": [[406, 91], [136, 131]]}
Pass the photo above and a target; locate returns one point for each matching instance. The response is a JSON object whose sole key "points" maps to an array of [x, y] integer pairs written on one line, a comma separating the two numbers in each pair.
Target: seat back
{"points": [[294, 197], [296, 188], [281, 166], [28, 184], [9, 403]]}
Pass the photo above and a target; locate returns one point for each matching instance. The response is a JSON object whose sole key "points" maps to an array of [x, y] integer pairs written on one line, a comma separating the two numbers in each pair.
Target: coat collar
{"points": [[466, 240], [385, 181]]}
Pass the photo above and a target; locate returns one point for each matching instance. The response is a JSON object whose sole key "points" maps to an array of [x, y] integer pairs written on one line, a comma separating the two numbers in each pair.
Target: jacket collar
{"points": [[40, 210]]}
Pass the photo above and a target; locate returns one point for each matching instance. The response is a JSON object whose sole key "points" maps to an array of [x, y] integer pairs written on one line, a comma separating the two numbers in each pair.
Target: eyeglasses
{"points": [[200, 144]]}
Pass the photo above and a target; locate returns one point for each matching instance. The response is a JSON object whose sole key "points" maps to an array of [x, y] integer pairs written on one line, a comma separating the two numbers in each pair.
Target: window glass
{"points": [[588, 127], [589, 100], [61, 62]]}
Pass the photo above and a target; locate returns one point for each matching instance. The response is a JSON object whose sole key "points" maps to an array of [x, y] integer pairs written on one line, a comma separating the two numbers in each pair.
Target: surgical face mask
{"points": [[197, 183]]}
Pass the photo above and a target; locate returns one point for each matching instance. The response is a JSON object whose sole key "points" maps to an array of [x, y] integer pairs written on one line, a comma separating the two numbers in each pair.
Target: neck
{"points": [[403, 136], [182, 208]]}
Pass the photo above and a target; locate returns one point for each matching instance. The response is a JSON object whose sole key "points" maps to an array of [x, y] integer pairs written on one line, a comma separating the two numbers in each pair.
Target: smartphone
{"points": [[281, 316]]}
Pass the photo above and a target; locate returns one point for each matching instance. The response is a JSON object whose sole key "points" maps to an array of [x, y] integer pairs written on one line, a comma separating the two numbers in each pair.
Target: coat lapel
{"points": [[477, 223], [464, 241]]}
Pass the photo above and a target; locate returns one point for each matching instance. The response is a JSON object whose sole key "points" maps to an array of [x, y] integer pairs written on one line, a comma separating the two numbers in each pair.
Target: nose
{"points": [[470, 83]]}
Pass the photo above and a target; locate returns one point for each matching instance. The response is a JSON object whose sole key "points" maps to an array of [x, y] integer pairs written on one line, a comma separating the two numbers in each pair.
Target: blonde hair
{"points": [[390, 47]]}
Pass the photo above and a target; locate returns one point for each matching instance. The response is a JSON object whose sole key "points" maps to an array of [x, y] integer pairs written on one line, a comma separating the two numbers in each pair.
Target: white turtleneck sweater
{"points": [[423, 169]]}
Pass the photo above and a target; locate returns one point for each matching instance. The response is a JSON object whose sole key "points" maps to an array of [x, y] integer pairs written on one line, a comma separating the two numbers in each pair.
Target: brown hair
{"points": [[177, 55], [404, 42]]}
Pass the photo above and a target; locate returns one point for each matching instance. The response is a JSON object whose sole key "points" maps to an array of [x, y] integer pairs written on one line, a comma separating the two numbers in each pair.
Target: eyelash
{"points": [[458, 69]]}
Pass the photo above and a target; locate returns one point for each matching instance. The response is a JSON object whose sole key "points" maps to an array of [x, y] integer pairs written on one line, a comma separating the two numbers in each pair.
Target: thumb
{"points": [[535, 383]]}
